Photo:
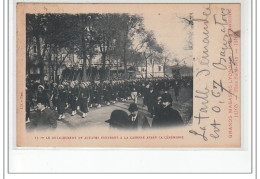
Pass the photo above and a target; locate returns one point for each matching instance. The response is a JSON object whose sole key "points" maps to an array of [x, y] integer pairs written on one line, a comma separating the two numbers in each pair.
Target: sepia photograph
{"points": [[83, 69]]}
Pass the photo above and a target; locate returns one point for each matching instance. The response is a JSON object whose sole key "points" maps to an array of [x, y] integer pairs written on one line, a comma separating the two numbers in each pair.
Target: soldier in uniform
{"points": [[134, 93], [95, 93], [107, 93], [67, 90], [61, 102], [114, 92], [41, 93], [99, 93], [122, 92], [91, 94], [127, 91], [54, 96], [84, 99], [73, 99]]}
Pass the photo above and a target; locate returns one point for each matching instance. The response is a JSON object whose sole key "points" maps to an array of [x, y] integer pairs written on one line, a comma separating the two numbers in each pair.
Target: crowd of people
{"points": [[83, 96]]}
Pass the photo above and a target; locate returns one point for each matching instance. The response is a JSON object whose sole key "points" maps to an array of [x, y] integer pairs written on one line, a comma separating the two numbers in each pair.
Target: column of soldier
{"points": [[85, 95]]}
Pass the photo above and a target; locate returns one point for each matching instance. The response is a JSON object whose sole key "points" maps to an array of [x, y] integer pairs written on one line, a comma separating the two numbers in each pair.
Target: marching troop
{"points": [[82, 96]]}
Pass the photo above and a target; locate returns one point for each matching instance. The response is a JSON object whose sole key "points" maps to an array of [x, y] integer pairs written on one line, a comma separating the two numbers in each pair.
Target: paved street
{"points": [[97, 117]]}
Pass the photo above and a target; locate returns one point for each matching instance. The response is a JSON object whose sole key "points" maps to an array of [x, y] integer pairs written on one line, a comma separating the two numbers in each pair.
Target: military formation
{"points": [[82, 96]]}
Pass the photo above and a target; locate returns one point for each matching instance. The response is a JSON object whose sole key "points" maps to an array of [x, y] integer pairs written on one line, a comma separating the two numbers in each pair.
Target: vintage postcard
{"points": [[128, 75]]}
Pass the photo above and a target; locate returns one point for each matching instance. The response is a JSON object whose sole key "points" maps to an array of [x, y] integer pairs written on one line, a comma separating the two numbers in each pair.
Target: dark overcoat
{"points": [[167, 117]]}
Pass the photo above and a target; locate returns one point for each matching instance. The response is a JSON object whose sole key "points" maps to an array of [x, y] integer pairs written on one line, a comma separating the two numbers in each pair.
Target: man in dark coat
{"points": [[167, 117], [146, 94], [152, 101], [44, 118], [137, 118], [177, 87]]}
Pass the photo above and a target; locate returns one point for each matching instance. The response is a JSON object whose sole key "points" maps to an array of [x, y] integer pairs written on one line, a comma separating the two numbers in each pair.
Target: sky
{"points": [[171, 31]]}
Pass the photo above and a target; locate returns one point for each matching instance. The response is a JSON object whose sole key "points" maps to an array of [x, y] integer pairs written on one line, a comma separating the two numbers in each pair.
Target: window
{"points": [[143, 70], [159, 68]]}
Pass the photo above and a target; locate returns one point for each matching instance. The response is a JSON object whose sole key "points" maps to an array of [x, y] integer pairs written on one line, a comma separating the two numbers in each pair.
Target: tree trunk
{"points": [[153, 68], [56, 66], [28, 61], [146, 68], [117, 69], [90, 66], [125, 61], [49, 67], [109, 68], [103, 58], [39, 57], [56, 75], [84, 56]]}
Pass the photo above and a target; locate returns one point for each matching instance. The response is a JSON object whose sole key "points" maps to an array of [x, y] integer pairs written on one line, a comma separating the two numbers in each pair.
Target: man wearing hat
{"points": [[44, 117], [167, 117], [137, 118], [119, 120]]}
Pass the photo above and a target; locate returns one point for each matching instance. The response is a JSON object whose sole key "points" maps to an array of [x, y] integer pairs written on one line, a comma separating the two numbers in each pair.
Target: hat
{"points": [[60, 86], [83, 85], [40, 86], [119, 118], [133, 107], [72, 84], [166, 97]]}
